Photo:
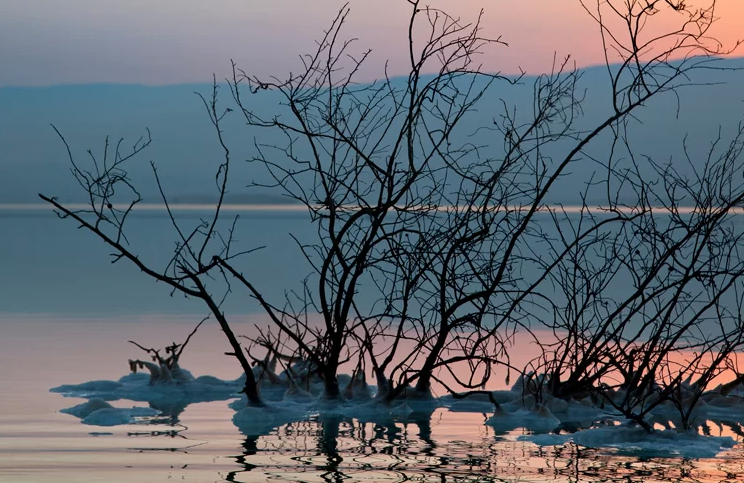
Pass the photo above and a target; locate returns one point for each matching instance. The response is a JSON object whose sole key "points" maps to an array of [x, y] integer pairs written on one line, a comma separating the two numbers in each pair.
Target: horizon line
{"points": [[209, 82]]}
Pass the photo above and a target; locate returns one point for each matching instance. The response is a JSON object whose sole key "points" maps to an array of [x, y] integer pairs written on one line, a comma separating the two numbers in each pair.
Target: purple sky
{"points": [[46, 42]]}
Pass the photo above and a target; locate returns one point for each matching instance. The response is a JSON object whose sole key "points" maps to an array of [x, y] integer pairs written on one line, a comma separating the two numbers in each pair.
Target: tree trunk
{"points": [[423, 385], [383, 385], [250, 389], [332, 390]]}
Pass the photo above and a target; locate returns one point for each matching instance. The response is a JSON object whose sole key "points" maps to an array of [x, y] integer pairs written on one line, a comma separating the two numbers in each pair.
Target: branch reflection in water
{"points": [[337, 449]]}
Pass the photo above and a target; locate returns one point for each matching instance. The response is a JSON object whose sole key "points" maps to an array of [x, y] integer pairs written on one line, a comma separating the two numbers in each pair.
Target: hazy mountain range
{"points": [[186, 152]]}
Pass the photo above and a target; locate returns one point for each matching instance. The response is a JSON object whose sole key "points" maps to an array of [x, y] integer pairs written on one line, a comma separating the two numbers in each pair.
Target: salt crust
{"points": [[636, 441], [98, 412], [515, 411], [138, 387]]}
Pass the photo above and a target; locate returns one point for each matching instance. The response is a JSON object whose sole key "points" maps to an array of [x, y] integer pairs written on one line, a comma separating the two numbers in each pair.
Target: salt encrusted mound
{"points": [[90, 389], [170, 395], [257, 421], [118, 416], [84, 409], [98, 412], [635, 440], [141, 387], [538, 419], [289, 401]]}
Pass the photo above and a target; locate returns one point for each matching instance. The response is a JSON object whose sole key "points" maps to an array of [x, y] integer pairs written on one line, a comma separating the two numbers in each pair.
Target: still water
{"points": [[66, 315], [39, 444]]}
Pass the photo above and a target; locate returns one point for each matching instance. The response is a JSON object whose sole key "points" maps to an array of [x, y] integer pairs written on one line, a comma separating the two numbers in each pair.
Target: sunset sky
{"points": [[46, 42]]}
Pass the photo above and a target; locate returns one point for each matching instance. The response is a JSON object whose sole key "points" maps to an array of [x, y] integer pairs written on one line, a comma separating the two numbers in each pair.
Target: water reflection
{"points": [[429, 444], [335, 449], [434, 445]]}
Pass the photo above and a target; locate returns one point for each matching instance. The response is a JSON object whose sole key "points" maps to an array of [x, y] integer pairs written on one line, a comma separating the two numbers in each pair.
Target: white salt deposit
{"points": [[548, 439], [89, 389], [141, 387], [118, 416], [288, 402], [635, 440], [538, 419], [98, 412], [84, 409], [257, 421]]}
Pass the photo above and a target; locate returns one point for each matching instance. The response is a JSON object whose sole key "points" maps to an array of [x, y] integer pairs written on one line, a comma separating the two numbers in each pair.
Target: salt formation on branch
{"points": [[165, 370]]}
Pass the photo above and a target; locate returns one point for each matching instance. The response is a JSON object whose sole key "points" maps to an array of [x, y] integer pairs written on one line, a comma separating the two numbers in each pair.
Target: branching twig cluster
{"points": [[451, 231]]}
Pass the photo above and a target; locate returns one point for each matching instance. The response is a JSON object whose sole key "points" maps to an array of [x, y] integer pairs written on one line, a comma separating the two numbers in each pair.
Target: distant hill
{"points": [[185, 149]]}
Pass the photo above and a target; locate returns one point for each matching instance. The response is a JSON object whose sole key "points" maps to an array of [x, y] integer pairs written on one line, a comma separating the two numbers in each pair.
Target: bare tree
{"points": [[677, 250], [365, 161], [474, 281], [111, 200], [448, 237], [371, 172]]}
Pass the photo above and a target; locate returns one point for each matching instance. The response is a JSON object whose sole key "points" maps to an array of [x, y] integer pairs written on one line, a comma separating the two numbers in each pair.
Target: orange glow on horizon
{"points": [[539, 31], [176, 41]]}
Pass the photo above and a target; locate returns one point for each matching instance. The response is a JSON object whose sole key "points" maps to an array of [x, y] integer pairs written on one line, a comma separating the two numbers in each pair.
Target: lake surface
{"points": [[38, 444], [66, 315]]}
